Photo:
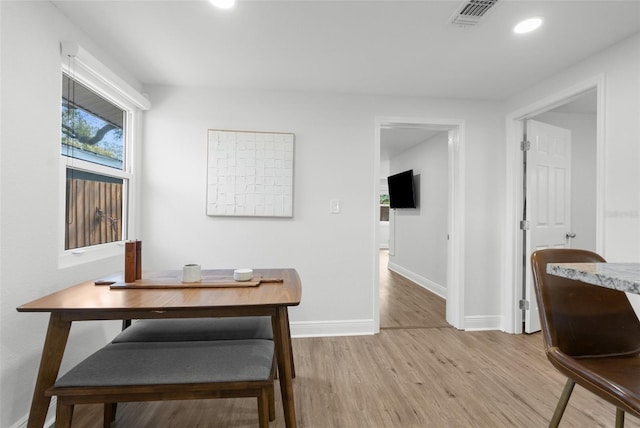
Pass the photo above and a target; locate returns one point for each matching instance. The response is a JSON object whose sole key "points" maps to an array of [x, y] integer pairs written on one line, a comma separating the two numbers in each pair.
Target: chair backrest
{"points": [[579, 318]]}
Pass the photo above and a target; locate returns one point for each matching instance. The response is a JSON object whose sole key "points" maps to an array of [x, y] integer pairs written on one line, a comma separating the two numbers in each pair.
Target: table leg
{"points": [[52, 352], [293, 366], [285, 373]]}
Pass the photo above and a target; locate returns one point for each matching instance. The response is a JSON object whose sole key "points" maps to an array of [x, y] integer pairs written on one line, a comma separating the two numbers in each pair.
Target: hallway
{"points": [[404, 304]]}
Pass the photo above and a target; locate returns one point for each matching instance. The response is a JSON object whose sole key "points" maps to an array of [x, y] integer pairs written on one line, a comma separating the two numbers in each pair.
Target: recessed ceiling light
{"points": [[223, 4], [527, 25]]}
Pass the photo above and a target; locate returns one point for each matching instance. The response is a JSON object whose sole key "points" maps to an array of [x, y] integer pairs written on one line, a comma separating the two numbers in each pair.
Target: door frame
{"points": [[456, 209], [513, 253]]}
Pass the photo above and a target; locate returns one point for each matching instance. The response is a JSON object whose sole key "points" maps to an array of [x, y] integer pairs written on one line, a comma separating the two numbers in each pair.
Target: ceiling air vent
{"points": [[472, 12]]}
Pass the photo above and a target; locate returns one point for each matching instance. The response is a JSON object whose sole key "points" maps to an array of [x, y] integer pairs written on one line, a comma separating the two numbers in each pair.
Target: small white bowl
{"points": [[242, 274]]}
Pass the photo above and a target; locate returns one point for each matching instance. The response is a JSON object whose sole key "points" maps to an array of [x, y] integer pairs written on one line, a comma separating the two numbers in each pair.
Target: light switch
{"points": [[335, 206]]}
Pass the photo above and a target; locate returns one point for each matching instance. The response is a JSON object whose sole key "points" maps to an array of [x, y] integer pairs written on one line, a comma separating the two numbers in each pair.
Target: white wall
{"points": [[334, 159], [30, 174], [420, 234], [583, 173]]}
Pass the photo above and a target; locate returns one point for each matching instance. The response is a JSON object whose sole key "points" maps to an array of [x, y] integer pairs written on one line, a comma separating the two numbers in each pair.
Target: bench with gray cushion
{"points": [[175, 370], [194, 329]]}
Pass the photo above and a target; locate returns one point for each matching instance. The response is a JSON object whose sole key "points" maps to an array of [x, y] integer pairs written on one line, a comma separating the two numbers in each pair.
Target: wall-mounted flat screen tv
{"points": [[401, 190]]}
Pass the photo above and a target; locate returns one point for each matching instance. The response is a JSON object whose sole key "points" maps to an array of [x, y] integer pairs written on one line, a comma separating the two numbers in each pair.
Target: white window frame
{"points": [[85, 69]]}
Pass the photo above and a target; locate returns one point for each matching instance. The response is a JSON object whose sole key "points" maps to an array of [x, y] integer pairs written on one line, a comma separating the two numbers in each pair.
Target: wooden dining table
{"points": [[618, 276], [162, 295]]}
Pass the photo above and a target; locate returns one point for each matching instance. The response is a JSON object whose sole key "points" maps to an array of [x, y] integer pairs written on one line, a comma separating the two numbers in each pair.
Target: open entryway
{"points": [[557, 186], [407, 141]]}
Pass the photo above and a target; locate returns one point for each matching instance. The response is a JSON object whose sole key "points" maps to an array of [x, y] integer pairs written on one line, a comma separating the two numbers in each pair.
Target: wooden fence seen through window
{"points": [[93, 212]]}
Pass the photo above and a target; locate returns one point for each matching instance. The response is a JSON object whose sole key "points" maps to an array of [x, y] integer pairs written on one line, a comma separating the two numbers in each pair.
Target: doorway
{"points": [[580, 110], [454, 129]]}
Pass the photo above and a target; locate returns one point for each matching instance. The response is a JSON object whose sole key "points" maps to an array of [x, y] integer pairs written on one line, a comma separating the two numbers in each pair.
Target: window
{"points": [[99, 117], [93, 143], [384, 205]]}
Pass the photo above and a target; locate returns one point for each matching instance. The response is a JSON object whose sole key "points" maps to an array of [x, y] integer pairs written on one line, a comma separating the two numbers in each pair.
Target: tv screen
{"points": [[401, 191]]}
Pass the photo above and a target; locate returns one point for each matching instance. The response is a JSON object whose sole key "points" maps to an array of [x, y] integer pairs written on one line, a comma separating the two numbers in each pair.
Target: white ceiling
{"points": [[406, 48], [365, 47], [398, 139]]}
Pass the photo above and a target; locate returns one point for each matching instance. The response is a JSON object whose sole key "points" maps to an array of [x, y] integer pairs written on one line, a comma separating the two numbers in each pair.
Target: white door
{"points": [[548, 201]]}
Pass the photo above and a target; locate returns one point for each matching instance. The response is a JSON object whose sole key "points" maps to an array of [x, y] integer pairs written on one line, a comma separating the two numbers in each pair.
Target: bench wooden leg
{"points": [[264, 407], [64, 414], [274, 326], [272, 404], [109, 414]]}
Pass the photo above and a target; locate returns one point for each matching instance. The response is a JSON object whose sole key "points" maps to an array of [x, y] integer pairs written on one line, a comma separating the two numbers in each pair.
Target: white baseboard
{"points": [[332, 328], [49, 423], [423, 282], [481, 323], [21, 423]]}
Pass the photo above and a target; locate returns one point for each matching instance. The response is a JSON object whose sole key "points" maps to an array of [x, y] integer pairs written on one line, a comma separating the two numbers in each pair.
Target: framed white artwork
{"points": [[249, 173]]}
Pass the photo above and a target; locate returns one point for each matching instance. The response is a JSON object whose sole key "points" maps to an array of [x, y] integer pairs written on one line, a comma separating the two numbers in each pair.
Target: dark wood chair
{"points": [[153, 371], [591, 334]]}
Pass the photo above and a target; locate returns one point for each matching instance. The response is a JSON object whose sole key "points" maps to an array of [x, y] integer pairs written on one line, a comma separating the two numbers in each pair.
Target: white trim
{"points": [[22, 422], [482, 323], [376, 229], [134, 163], [93, 253], [50, 422], [512, 255], [600, 162], [455, 308], [455, 251], [88, 67], [423, 282], [95, 168], [511, 280], [333, 328]]}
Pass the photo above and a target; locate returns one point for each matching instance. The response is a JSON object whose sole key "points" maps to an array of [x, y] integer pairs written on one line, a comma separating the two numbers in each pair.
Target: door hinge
{"points": [[524, 304], [525, 145], [524, 225]]}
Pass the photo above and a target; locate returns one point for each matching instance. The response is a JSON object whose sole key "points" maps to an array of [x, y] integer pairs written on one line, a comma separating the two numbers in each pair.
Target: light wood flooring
{"points": [[404, 304], [418, 372]]}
